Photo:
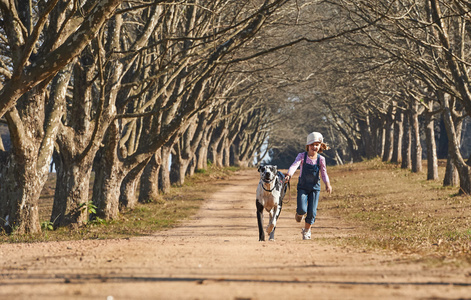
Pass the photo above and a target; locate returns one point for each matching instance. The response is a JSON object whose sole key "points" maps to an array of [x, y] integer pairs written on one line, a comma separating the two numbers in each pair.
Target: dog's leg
{"points": [[279, 207], [277, 215], [273, 218], [261, 233], [272, 222]]}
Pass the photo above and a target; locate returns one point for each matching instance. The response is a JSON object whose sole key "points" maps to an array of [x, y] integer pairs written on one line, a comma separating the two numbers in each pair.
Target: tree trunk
{"points": [[226, 153], [175, 167], [72, 191], [442, 147], [179, 167], [219, 160], [106, 191], [249, 145], [149, 189], [376, 136], [127, 197], [202, 157], [432, 161], [32, 133], [76, 149], [216, 137], [164, 176], [381, 141], [178, 171], [108, 177], [398, 133], [202, 151], [389, 133], [190, 171], [20, 189], [452, 177], [243, 164], [406, 143], [187, 146], [367, 139], [338, 159], [377, 133], [454, 150], [416, 147], [235, 147]]}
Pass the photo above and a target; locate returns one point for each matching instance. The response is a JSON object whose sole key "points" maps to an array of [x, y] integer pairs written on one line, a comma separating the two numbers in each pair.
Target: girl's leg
{"points": [[312, 201], [302, 199]]}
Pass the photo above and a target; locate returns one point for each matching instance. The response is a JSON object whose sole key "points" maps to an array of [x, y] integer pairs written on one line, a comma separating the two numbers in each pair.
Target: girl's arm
{"points": [[325, 177], [294, 166], [328, 188]]}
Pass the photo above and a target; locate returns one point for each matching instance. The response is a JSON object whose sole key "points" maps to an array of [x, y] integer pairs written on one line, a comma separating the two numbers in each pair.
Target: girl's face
{"points": [[314, 147]]}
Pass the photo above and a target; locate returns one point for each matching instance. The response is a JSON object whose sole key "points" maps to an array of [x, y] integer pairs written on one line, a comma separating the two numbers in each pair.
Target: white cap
{"points": [[314, 137]]}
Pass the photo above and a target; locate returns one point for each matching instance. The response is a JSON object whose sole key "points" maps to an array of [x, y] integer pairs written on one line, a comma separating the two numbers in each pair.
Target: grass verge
{"points": [[166, 212], [394, 209]]}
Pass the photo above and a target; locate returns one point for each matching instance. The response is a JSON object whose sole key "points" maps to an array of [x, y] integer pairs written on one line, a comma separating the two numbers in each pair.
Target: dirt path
{"points": [[217, 256]]}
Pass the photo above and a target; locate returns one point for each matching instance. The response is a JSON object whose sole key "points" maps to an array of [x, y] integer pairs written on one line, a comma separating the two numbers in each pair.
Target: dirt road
{"points": [[217, 255]]}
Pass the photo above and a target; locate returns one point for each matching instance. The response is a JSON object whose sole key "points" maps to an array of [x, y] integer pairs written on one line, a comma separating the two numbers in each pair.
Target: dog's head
{"points": [[268, 172]]}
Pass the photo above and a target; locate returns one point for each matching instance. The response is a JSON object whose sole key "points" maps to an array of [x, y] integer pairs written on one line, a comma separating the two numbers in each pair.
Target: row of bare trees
{"points": [[426, 44], [117, 89], [383, 90]]}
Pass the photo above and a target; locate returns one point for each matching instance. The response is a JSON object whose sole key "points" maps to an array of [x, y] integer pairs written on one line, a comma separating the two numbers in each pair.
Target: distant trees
{"points": [[429, 40], [385, 88]]}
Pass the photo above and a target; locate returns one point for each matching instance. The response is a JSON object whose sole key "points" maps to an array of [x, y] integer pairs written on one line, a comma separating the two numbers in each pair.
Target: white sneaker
{"points": [[306, 234]]}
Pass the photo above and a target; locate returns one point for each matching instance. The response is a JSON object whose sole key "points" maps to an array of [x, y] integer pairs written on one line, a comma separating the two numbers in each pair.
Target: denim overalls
{"points": [[309, 186]]}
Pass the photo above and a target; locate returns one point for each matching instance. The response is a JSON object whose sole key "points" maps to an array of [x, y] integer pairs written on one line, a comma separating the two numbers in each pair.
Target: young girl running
{"points": [[313, 167]]}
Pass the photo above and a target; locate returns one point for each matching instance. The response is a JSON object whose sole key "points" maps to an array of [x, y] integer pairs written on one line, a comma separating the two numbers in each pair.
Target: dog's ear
{"points": [[260, 168]]}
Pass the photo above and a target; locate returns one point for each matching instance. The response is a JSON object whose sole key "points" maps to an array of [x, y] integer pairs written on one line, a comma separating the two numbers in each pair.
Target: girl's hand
{"points": [[328, 188], [287, 177]]}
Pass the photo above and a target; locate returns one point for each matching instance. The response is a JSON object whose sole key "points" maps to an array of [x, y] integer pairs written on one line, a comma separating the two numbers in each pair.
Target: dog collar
{"points": [[274, 186]]}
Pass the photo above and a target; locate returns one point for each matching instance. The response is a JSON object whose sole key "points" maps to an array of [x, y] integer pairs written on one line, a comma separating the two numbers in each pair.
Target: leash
{"points": [[286, 182]]}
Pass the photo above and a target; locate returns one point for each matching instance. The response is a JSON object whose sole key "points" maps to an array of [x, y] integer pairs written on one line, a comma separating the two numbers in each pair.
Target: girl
{"points": [[309, 186]]}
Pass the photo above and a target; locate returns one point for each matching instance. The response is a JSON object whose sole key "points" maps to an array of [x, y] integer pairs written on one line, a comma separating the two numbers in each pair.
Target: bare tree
{"points": [[186, 98], [123, 83], [67, 30], [38, 41]]}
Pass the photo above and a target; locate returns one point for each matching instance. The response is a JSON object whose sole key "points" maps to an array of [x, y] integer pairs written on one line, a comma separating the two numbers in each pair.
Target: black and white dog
{"points": [[270, 193]]}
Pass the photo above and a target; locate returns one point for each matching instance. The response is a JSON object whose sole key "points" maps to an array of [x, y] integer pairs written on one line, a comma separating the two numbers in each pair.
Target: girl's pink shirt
{"points": [[299, 161]]}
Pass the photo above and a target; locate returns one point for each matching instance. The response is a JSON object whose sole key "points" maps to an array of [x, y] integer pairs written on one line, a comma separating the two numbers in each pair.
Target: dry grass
{"points": [[167, 212], [395, 209], [391, 209]]}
